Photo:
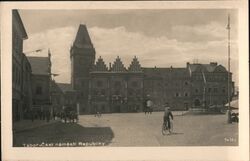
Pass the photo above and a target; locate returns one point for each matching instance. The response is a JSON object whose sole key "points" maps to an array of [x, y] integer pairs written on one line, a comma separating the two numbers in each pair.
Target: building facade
{"points": [[120, 89], [210, 85], [168, 85], [57, 97], [69, 96], [116, 89], [41, 82], [21, 70]]}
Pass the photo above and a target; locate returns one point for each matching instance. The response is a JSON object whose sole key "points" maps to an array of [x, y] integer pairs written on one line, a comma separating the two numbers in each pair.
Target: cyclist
{"points": [[167, 115]]}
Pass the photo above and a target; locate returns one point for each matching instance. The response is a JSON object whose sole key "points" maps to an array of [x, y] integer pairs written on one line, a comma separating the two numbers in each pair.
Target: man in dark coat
{"points": [[167, 115]]}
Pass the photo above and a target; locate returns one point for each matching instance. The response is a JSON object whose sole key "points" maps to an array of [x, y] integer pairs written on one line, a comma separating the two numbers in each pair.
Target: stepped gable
{"points": [[82, 39], [135, 66], [100, 66], [118, 66]]}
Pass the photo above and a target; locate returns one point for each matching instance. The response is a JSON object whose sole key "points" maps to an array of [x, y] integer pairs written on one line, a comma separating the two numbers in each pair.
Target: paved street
{"points": [[133, 129]]}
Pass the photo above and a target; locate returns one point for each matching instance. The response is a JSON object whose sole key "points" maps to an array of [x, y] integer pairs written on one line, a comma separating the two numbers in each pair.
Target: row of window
{"points": [[160, 84], [135, 84], [117, 84], [211, 90], [185, 94], [131, 92], [210, 78]]}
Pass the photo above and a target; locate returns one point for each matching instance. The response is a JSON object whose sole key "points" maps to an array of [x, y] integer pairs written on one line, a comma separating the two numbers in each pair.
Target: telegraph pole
{"points": [[229, 86]]}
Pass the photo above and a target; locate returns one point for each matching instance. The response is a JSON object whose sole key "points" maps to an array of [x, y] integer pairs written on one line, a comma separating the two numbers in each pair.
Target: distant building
{"points": [[120, 89], [168, 85], [210, 84], [41, 82], [69, 95], [21, 70], [57, 97]]}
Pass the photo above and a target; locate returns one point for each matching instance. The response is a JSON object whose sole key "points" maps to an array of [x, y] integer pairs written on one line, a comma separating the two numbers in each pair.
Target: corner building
{"points": [[115, 88], [21, 71]]}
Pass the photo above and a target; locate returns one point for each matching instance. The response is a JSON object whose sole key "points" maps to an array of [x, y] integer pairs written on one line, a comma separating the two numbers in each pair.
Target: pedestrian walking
{"points": [[150, 106], [167, 116]]}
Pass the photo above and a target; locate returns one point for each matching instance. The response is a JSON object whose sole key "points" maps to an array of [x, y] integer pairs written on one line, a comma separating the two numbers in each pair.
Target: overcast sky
{"points": [[161, 38]]}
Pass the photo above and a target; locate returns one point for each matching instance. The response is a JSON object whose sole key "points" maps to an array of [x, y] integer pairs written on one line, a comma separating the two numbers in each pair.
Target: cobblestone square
{"points": [[133, 129]]}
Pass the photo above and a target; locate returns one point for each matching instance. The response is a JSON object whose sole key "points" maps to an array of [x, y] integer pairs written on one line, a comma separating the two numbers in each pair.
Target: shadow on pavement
{"points": [[64, 135], [176, 133]]}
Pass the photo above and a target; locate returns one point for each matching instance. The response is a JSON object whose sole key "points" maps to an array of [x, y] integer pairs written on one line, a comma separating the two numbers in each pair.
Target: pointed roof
{"points": [[82, 39], [100, 65], [118, 66], [135, 66], [17, 18]]}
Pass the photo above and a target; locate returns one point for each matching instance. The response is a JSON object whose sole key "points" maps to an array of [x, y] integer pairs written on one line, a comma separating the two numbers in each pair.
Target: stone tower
{"points": [[82, 55]]}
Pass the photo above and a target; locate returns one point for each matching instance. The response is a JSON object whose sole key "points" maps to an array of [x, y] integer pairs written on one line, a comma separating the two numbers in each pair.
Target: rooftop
{"points": [[65, 87], [212, 67], [82, 39], [40, 65]]}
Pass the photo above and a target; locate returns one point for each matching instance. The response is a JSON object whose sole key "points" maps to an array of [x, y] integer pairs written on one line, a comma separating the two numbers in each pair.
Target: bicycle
{"points": [[165, 127]]}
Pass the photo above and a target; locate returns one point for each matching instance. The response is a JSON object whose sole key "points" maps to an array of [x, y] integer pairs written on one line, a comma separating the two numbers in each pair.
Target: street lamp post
{"points": [[229, 86]]}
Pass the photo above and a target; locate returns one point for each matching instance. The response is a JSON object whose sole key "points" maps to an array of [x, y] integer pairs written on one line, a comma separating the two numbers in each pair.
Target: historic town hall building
{"points": [[115, 88]]}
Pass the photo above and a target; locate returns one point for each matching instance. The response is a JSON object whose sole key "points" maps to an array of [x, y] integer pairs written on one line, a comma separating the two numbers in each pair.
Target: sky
{"points": [[161, 38]]}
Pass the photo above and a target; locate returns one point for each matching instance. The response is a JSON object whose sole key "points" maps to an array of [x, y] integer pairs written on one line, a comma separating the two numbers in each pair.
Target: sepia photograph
{"points": [[140, 77], [125, 77]]}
